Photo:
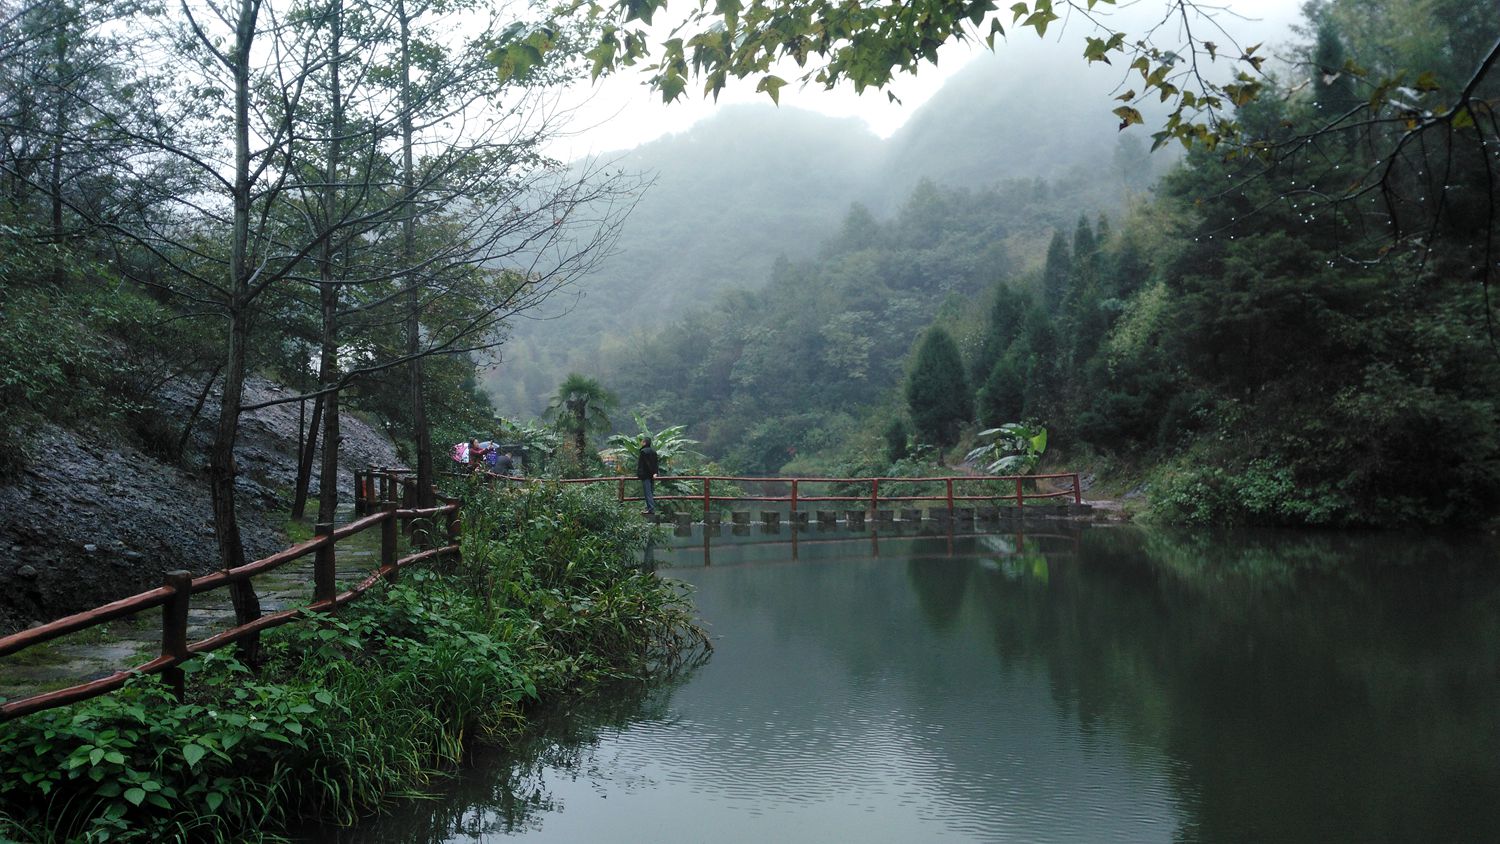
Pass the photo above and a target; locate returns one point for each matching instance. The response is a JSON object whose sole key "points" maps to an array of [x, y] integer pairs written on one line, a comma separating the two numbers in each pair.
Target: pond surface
{"points": [[1069, 683]]}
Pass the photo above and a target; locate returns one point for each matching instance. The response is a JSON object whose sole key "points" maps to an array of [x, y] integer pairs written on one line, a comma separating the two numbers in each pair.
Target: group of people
{"points": [[491, 458]]}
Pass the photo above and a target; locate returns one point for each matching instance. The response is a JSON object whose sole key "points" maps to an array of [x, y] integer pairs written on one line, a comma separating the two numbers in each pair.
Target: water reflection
{"points": [[1061, 683], [505, 794]]}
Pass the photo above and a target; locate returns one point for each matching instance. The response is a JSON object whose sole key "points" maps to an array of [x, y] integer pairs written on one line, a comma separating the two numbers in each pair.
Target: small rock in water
{"points": [[91, 547], [26, 571]]}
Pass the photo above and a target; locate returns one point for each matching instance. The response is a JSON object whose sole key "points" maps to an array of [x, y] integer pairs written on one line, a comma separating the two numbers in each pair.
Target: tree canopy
{"points": [[937, 394]]}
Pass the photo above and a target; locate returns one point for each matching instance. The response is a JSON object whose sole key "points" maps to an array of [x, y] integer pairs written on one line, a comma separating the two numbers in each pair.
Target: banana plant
{"points": [[670, 442], [1012, 449]]}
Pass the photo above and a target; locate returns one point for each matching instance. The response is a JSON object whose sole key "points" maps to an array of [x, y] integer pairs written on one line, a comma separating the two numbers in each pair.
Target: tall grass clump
{"points": [[554, 557], [351, 709]]}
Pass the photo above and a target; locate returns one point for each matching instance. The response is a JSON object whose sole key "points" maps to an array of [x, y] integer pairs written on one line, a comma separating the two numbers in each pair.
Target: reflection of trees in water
{"points": [[940, 584], [1346, 680], [505, 791], [941, 581]]}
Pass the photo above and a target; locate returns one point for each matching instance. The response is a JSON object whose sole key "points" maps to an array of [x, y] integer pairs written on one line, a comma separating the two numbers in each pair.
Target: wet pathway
{"points": [[105, 649]]}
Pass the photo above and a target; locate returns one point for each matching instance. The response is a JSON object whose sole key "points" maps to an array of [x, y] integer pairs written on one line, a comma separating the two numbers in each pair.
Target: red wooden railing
{"points": [[796, 495], [174, 596]]}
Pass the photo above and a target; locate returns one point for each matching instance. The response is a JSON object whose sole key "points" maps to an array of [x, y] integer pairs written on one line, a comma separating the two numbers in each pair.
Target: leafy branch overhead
{"points": [[1188, 59], [867, 45]]}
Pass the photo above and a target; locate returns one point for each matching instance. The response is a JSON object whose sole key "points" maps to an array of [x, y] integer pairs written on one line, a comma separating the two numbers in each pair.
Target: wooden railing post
{"points": [[1020, 496], [950, 494], [388, 532], [622, 490], [1077, 490], [174, 616], [323, 564], [874, 496], [794, 503], [359, 487], [455, 525], [708, 500]]}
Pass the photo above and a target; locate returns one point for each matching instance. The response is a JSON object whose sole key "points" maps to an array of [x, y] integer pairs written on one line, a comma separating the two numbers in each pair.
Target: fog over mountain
{"points": [[754, 183]]}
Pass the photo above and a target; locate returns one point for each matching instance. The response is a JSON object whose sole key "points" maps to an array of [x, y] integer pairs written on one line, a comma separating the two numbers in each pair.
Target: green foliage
{"points": [[373, 701], [137, 767], [937, 394], [1057, 274], [564, 556], [580, 408], [1012, 449], [676, 455], [868, 45], [83, 352], [1002, 395], [897, 441], [670, 443]]}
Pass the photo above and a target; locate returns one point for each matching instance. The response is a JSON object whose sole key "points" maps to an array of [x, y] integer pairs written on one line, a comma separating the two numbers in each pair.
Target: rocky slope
{"points": [[92, 521]]}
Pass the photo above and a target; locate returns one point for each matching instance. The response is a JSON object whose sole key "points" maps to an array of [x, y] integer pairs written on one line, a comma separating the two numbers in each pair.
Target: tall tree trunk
{"points": [[60, 130], [328, 289], [305, 460], [328, 367], [421, 434], [420, 430], [221, 459], [580, 433]]}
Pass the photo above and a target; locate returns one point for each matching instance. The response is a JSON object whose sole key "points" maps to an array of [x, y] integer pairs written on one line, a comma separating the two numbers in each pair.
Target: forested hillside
{"points": [[757, 183], [722, 202], [1256, 351], [764, 374]]}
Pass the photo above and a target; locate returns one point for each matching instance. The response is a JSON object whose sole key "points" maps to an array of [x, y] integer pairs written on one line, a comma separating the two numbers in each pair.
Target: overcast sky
{"points": [[620, 112]]}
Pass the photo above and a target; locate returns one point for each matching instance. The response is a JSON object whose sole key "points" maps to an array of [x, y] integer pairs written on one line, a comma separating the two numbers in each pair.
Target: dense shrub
{"points": [[364, 704]]}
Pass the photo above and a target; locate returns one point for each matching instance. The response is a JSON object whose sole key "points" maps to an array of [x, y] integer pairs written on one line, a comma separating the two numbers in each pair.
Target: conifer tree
{"points": [[1001, 398], [1057, 273], [1007, 315], [937, 393]]}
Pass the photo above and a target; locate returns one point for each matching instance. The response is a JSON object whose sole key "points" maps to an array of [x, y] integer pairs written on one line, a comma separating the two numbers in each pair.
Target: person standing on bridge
{"points": [[646, 464]]}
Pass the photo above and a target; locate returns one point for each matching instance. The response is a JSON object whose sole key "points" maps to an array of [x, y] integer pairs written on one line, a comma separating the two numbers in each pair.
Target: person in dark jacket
{"points": [[646, 465]]}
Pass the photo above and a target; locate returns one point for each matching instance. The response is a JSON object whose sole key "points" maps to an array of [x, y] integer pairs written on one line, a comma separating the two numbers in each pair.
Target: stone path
{"points": [[103, 650]]}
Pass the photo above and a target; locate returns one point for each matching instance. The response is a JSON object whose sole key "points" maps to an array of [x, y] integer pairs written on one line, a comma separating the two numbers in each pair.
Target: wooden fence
{"points": [[1014, 491], [379, 493], [174, 595]]}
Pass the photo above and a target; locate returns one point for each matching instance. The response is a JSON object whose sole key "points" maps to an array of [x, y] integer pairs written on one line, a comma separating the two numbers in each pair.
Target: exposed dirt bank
{"points": [[92, 521]]}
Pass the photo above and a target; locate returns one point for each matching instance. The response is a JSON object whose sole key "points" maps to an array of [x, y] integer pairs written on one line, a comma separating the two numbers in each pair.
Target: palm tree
{"points": [[579, 408]]}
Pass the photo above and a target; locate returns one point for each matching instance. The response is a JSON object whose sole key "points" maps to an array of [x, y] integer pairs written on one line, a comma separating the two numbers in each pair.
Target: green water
{"points": [[1066, 684]]}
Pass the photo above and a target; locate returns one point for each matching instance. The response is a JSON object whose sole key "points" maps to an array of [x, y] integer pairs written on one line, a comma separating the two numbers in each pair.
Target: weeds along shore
{"points": [[546, 602]]}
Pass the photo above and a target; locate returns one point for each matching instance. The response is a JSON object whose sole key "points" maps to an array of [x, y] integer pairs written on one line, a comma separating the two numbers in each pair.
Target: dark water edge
{"points": [[503, 791], [1060, 683]]}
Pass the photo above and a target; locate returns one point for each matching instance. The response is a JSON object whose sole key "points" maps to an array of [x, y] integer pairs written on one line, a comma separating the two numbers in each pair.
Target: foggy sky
{"points": [[620, 112]]}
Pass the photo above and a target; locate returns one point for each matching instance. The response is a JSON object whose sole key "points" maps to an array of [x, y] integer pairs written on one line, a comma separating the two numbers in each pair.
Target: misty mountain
{"points": [[1018, 114], [755, 183]]}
